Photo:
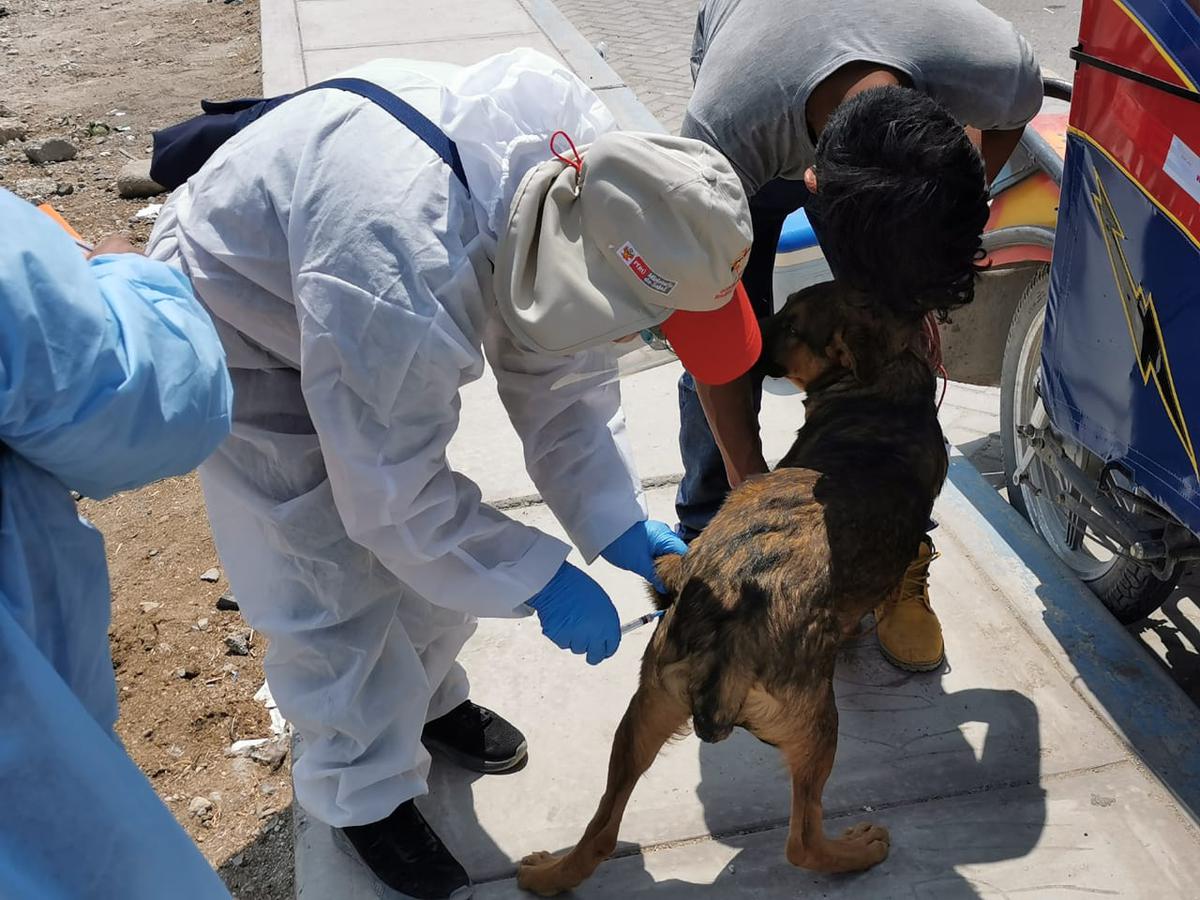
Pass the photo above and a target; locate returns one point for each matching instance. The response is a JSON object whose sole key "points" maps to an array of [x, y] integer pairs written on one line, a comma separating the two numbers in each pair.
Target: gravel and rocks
{"points": [[12, 132], [40, 190]]}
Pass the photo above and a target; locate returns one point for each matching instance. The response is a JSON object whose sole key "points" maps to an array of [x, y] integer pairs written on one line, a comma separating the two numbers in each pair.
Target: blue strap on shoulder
{"points": [[406, 115]]}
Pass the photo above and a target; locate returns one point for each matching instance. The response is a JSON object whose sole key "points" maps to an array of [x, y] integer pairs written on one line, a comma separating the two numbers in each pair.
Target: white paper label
{"points": [[642, 270], [1183, 166]]}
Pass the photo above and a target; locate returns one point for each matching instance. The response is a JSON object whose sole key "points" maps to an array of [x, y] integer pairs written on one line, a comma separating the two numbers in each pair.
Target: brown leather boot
{"points": [[910, 636]]}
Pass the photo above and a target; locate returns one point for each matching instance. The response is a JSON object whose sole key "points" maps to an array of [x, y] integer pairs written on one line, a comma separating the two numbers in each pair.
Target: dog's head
{"points": [[827, 332]]}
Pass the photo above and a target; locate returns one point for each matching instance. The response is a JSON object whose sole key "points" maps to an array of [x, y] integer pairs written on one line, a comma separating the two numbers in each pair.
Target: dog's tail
{"points": [[670, 570], [718, 694], [717, 690]]}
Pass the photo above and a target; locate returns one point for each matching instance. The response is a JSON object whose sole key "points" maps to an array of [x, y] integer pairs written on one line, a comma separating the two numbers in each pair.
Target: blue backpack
{"points": [[181, 150]]}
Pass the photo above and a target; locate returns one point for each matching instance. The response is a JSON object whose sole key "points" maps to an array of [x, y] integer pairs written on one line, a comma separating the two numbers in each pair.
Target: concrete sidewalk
{"points": [[1048, 758]]}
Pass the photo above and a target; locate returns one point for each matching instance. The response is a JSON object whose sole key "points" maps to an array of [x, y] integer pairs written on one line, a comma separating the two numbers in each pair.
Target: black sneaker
{"points": [[476, 739], [407, 856]]}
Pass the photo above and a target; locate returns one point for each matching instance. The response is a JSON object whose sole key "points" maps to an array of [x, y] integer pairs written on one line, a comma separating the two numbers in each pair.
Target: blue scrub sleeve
{"points": [[79, 819], [111, 374]]}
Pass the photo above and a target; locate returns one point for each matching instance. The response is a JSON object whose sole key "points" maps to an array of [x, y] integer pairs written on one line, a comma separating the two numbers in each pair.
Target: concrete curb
{"points": [[1103, 663]]}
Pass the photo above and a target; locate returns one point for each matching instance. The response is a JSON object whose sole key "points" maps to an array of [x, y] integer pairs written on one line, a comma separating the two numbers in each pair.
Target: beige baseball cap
{"points": [[648, 230]]}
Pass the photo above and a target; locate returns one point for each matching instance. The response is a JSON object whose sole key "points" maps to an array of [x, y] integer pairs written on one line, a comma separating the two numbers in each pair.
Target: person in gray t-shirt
{"points": [[886, 120]]}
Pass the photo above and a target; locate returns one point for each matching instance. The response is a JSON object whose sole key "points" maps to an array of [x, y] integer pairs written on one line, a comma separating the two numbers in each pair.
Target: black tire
{"points": [[1129, 590]]}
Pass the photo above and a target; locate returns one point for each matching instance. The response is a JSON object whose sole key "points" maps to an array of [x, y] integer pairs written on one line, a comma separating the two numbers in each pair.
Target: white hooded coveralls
{"points": [[349, 275]]}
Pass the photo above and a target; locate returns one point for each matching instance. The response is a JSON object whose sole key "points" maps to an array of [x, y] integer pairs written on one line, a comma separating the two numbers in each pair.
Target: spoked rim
{"points": [[1066, 534]]}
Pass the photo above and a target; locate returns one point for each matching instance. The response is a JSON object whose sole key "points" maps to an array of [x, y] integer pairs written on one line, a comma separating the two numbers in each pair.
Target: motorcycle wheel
{"points": [[1130, 590]]}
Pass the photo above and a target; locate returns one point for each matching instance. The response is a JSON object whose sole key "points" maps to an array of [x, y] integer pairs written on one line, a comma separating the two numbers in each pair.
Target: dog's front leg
{"points": [[653, 717]]}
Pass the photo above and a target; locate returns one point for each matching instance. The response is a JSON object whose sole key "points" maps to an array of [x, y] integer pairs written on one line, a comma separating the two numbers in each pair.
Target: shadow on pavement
{"points": [[986, 455], [454, 789], [1173, 634]]}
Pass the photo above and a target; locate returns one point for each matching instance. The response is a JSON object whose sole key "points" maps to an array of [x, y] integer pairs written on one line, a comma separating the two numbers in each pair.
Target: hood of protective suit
{"points": [[502, 112]]}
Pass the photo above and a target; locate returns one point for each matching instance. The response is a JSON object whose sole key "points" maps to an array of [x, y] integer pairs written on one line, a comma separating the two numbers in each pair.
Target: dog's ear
{"points": [[859, 347]]}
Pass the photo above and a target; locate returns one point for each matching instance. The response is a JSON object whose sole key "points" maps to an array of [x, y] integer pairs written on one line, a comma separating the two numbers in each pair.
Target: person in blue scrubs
{"points": [[111, 377]]}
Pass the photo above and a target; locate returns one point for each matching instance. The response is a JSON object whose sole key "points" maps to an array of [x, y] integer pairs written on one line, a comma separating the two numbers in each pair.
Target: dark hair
{"points": [[901, 200]]}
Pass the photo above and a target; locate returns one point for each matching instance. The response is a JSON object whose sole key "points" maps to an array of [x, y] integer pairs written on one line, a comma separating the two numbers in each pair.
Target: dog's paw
{"points": [[869, 842], [538, 859], [538, 872]]}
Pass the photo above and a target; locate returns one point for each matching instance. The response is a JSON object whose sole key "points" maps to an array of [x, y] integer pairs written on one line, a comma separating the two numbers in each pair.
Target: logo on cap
{"points": [[642, 270], [736, 268]]}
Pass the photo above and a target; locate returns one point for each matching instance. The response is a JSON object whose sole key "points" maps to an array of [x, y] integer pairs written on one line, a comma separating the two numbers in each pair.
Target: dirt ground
{"points": [[103, 77]]}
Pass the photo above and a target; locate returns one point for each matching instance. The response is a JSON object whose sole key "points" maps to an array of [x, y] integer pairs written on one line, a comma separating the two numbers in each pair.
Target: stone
{"points": [[245, 746], [134, 180], [238, 644], [211, 576], [63, 188], [227, 603], [271, 754], [12, 133], [149, 606], [5, 112], [201, 808], [51, 151], [187, 673]]}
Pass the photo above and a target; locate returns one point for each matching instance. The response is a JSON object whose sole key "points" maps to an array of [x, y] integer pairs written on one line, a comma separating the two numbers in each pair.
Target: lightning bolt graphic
{"points": [[1142, 319]]}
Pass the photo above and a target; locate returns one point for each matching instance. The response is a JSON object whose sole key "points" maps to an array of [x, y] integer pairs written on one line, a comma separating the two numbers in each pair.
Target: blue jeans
{"points": [[704, 484]]}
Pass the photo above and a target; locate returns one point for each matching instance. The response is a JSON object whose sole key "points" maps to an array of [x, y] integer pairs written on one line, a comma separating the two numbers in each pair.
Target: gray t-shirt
{"points": [[755, 63]]}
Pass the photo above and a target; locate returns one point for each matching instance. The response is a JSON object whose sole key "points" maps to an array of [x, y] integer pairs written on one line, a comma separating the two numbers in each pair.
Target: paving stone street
{"points": [[648, 43]]}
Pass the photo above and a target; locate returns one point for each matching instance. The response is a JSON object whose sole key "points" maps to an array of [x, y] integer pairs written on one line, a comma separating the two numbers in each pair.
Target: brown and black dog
{"points": [[789, 566]]}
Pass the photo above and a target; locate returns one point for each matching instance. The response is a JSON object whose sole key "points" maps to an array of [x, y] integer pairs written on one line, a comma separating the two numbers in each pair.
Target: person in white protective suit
{"points": [[349, 269], [111, 377]]}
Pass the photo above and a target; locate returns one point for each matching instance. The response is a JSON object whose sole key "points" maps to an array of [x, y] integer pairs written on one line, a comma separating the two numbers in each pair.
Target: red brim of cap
{"points": [[716, 346]]}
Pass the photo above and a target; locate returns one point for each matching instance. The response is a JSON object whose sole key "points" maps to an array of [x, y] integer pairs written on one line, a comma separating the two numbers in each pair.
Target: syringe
{"points": [[641, 620]]}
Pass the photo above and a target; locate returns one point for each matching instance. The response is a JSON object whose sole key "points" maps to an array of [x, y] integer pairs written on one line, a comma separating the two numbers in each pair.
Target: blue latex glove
{"points": [[641, 544], [577, 615]]}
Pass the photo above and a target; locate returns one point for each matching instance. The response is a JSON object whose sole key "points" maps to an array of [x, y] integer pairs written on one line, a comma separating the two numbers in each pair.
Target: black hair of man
{"points": [[901, 200]]}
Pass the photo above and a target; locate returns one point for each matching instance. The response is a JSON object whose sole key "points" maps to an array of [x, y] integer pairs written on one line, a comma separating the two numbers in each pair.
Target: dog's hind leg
{"points": [[809, 750], [652, 718]]}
